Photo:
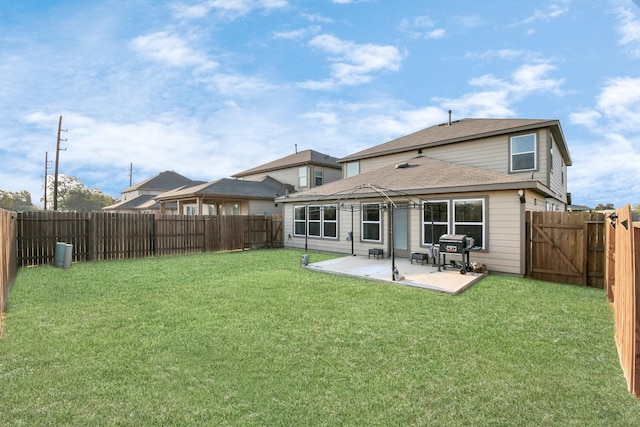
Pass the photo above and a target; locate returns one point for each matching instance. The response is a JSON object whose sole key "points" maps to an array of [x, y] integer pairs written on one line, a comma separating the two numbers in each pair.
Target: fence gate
{"points": [[566, 247]]}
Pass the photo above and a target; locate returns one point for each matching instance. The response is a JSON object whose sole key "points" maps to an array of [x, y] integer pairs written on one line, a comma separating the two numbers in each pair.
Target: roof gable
{"points": [[164, 181], [297, 159]]}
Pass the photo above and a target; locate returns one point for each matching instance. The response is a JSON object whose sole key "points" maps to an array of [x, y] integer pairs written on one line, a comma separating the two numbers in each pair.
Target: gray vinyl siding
{"points": [[285, 176], [264, 207], [504, 228], [556, 173], [491, 154]]}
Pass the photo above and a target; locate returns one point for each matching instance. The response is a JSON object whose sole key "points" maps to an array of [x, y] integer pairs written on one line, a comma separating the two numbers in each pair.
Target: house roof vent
{"points": [[402, 165]]}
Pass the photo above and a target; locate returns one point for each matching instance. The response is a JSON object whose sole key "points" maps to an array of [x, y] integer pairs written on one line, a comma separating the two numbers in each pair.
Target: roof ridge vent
{"points": [[402, 165]]}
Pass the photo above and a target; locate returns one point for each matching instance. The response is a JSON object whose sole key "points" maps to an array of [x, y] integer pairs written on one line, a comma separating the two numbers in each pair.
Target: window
{"points": [[318, 176], [523, 152], [434, 226], [371, 222], [299, 220], [231, 209], [468, 219], [190, 210], [353, 169], [302, 176], [330, 222], [320, 221], [314, 221], [209, 209]]}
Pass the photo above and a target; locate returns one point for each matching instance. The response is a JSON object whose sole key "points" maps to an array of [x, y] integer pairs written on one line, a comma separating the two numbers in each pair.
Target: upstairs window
{"points": [[523, 152], [302, 176], [318, 173], [353, 169]]}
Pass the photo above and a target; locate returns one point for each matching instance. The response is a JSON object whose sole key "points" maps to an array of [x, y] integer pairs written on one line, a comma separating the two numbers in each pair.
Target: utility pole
{"points": [[55, 179], [46, 175]]}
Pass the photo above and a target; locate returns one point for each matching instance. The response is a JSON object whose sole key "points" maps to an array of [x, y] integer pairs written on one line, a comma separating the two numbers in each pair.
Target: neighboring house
{"points": [[139, 198], [303, 170], [253, 192], [475, 177], [227, 197]]}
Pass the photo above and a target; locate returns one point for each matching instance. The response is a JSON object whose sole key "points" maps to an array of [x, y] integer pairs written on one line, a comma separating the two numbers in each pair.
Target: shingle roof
{"points": [[134, 203], [268, 188], [297, 159], [419, 176], [461, 130], [164, 181]]}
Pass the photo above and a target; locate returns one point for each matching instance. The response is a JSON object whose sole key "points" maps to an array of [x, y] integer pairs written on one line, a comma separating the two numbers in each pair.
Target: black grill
{"points": [[455, 244]]}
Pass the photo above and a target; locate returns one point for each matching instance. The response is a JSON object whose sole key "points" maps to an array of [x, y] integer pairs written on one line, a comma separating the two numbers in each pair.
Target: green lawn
{"points": [[251, 338]]}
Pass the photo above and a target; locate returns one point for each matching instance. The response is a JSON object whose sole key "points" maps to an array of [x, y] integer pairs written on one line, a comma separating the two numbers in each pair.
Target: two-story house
{"points": [[253, 192], [474, 177]]}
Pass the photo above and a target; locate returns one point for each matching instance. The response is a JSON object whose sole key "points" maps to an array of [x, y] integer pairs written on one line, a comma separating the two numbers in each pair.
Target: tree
{"points": [[604, 207], [74, 196], [86, 200], [16, 201]]}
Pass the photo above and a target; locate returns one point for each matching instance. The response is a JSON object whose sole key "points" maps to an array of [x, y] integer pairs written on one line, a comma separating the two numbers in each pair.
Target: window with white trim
{"points": [[330, 222], [317, 220], [523, 152], [353, 169], [435, 220], [302, 176], [318, 174], [371, 222], [299, 220], [469, 219], [314, 215]]}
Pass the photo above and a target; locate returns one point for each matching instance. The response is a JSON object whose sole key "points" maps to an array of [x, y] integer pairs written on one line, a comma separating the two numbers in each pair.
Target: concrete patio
{"points": [[415, 274]]}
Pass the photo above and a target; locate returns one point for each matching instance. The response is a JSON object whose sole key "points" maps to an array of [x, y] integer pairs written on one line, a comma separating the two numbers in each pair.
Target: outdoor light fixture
{"points": [[613, 218], [521, 195]]}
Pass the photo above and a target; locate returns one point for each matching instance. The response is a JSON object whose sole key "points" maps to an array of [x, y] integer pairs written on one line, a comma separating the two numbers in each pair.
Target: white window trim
{"points": [[321, 221], [425, 207], [314, 209], [535, 152], [363, 222], [303, 221], [330, 221], [356, 165], [303, 177], [454, 223]]}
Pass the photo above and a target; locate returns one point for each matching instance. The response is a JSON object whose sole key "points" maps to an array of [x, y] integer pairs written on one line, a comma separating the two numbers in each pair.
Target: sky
{"points": [[212, 88]]}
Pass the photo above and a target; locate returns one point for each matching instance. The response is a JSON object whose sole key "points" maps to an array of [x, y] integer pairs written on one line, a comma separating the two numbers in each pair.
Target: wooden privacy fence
{"points": [[566, 247], [8, 265], [103, 236], [623, 291]]}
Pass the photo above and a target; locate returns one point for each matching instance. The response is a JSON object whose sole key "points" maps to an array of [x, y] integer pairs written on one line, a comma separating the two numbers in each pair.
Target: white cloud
{"points": [[496, 96], [629, 31], [551, 12], [609, 159], [171, 50], [353, 63], [225, 8], [421, 27], [297, 34]]}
